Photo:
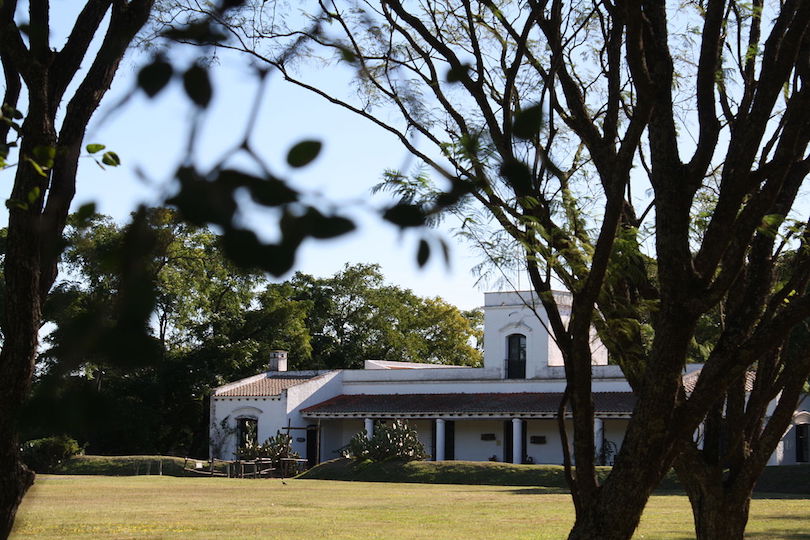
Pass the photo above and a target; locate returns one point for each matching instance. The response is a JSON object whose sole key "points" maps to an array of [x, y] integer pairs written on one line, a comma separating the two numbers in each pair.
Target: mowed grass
{"points": [[167, 507]]}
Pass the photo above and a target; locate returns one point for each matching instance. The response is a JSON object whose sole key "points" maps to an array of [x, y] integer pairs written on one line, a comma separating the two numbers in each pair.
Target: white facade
{"points": [[504, 411]]}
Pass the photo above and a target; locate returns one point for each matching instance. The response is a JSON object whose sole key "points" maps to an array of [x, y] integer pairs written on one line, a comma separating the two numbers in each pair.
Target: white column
{"points": [[439, 450], [517, 438], [369, 424], [598, 438]]}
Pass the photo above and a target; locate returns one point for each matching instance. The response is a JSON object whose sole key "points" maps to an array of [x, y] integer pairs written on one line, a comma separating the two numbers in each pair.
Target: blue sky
{"points": [[151, 135]]}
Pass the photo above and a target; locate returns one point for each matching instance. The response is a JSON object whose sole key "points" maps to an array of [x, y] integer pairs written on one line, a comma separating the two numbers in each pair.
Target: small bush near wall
{"points": [[396, 440], [46, 455], [274, 448]]}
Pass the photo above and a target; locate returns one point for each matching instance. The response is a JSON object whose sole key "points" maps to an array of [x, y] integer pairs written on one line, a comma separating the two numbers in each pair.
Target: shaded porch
{"points": [[513, 428]]}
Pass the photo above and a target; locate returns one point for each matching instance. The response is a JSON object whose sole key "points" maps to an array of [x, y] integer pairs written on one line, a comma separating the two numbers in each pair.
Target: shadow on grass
{"points": [[781, 496], [773, 533], [783, 517], [539, 491]]}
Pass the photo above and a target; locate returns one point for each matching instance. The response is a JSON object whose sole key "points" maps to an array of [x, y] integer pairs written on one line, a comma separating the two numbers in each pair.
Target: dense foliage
{"points": [[123, 388], [394, 440], [46, 455]]}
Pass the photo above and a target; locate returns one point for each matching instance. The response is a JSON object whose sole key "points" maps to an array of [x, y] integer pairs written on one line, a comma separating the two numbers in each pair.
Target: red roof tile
{"points": [[261, 386]]}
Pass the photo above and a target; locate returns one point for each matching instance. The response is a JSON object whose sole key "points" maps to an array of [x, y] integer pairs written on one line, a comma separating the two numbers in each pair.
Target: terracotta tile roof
{"points": [[262, 385], [690, 380], [486, 404]]}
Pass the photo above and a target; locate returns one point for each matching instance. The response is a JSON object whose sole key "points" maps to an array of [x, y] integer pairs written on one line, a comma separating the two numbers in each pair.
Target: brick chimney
{"points": [[278, 361]]}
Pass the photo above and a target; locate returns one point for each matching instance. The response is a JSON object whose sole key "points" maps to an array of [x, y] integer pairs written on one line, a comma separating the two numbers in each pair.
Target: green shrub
{"points": [[396, 440], [273, 448], [46, 455]]}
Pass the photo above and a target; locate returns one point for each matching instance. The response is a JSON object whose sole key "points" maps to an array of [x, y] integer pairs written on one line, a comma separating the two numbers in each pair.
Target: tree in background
{"points": [[356, 317], [552, 120], [125, 392]]}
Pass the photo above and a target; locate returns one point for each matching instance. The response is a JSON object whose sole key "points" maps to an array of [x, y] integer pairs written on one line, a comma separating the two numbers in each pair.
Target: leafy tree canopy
{"points": [[209, 323]]}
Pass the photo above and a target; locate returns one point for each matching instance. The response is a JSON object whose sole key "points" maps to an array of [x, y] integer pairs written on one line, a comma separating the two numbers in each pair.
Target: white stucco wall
{"points": [[521, 312], [551, 452], [470, 447], [411, 385], [336, 434], [270, 413], [424, 430], [323, 387]]}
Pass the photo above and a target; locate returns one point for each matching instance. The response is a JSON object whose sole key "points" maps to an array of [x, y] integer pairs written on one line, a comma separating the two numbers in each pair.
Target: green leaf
{"points": [[34, 194], [44, 156], [200, 32], [458, 73], [111, 159], [517, 175], [11, 204], [423, 253], [770, 224], [405, 215], [152, 78], [303, 153], [231, 4], [528, 122], [85, 212], [93, 148], [197, 85], [445, 251], [268, 191], [8, 111], [347, 55], [331, 227], [36, 167]]}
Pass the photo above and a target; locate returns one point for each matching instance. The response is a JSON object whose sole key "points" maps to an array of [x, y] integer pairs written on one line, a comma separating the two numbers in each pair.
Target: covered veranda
{"points": [[509, 427]]}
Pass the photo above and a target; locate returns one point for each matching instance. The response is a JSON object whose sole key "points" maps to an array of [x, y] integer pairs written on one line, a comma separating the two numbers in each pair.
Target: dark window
{"points": [[312, 445], [246, 430], [516, 356], [802, 443]]}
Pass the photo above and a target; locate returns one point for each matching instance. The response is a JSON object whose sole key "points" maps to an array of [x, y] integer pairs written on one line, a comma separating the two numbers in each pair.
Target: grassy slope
{"points": [[786, 479], [202, 508], [126, 465]]}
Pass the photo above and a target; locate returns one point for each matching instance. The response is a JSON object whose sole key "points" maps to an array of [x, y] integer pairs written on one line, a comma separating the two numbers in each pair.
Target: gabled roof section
{"points": [[690, 380], [543, 405], [265, 384]]}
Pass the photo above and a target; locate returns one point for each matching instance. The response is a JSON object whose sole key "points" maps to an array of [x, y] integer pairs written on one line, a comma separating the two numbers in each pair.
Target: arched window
{"points": [[516, 356]]}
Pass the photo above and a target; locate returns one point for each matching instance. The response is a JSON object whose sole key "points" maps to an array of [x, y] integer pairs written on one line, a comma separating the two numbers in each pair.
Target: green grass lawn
{"points": [[166, 507]]}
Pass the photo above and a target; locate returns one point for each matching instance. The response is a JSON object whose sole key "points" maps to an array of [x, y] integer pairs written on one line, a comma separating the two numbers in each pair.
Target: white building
{"points": [[504, 411]]}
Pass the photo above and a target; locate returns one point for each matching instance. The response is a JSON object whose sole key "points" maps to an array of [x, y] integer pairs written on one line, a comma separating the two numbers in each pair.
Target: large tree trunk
{"points": [[13, 485], [39, 202], [22, 310], [718, 514], [616, 510]]}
